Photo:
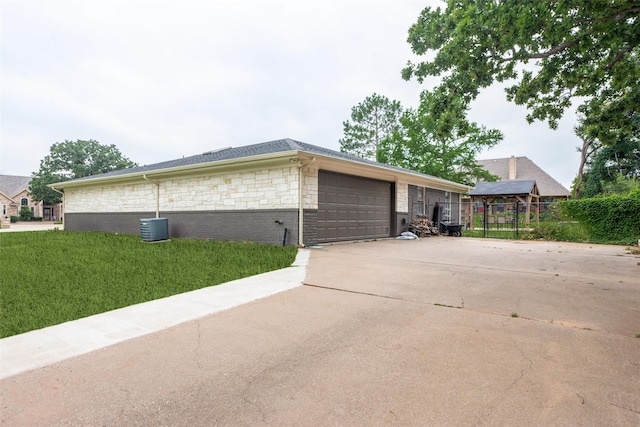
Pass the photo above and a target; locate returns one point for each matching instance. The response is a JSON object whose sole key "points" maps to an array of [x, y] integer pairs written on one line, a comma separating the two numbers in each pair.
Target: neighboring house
{"points": [[14, 194], [278, 192], [522, 169]]}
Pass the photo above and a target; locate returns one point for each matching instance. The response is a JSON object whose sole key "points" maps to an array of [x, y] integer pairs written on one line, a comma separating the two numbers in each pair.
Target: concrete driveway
{"points": [[389, 332]]}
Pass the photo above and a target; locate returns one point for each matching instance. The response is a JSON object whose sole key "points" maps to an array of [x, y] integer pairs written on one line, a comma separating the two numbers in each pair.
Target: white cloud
{"points": [[163, 79]]}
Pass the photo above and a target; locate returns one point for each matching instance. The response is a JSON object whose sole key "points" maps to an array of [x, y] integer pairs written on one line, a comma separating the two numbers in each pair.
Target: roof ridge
{"points": [[504, 158], [15, 176], [295, 145]]}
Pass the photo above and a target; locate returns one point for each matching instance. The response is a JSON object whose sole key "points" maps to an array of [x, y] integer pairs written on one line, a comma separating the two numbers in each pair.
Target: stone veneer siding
{"points": [[402, 197], [275, 188]]}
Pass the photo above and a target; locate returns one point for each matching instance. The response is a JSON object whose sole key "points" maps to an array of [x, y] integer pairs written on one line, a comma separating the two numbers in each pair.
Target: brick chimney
{"points": [[513, 170]]}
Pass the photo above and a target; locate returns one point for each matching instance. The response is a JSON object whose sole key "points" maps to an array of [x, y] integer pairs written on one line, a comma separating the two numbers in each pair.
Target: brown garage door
{"points": [[351, 207]]}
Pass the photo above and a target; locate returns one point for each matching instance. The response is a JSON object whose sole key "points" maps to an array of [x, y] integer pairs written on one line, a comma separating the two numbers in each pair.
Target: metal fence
{"points": [[498, 219]]}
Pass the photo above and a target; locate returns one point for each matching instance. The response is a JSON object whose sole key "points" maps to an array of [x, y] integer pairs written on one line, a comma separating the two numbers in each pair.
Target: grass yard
{"points": [[50, 277]]}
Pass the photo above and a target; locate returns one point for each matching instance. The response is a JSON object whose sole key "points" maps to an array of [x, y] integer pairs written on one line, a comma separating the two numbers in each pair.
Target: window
{"points": [[420, 201], [24, 202], [446, 209], [4, 209]]}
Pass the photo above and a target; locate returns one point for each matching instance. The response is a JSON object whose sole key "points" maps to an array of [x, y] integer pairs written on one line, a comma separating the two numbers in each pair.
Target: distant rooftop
{"points": [[11, 185], [503, 188], [526, 170]]}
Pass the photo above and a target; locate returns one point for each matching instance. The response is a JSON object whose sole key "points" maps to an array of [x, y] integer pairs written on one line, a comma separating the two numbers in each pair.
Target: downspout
{"points": [[301, 200], [157, 194], [64, 210]]}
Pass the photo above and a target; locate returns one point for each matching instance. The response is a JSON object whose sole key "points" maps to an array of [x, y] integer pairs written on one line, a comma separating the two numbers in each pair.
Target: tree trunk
{"points": [[588, 148]]}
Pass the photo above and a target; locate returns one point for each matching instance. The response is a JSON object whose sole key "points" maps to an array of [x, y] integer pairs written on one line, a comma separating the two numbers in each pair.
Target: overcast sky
{"points": [[166, 79]]}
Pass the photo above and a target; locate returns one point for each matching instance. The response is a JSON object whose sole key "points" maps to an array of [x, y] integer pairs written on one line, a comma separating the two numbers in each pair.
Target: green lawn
{"points": [[547, 230], [50, 277]]}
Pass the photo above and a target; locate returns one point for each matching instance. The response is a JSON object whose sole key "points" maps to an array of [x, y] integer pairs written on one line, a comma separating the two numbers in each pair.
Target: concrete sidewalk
{"points": [[31, 226], [42, 347]]}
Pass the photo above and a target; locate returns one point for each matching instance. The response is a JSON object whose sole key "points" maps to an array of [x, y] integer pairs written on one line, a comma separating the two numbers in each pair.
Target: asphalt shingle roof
{"points": [[263, 148], [526, 170], [502, 188], [12, 184]]}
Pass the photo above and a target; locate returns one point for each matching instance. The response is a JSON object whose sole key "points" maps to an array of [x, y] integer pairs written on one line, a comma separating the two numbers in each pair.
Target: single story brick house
{"points": [[277, 192]]}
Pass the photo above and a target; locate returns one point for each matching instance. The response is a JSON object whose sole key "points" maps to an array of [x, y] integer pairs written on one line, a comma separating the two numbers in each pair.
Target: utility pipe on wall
{"points": [[157, 194], [301, 200]]}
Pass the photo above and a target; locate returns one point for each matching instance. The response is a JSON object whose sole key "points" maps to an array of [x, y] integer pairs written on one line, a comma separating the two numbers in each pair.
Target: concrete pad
{"points": [[371, 340], [580, 285]]}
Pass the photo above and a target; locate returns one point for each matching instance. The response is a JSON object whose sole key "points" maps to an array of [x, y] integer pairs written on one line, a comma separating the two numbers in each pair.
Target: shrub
{"points": [[611, 219], [562, 231], [25, 214], [552, 213]]}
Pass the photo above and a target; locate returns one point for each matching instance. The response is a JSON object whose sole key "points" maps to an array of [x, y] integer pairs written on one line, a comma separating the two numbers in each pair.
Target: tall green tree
{"points": [[74, 159], [372, 121], [613, 169], [557, 51], [437, 139]]}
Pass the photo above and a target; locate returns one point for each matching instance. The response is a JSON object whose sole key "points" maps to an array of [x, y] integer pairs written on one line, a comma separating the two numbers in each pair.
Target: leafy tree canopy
{"points": [[558, 51], [437, 139], [613, 169], [74, 159], [373, 120]]}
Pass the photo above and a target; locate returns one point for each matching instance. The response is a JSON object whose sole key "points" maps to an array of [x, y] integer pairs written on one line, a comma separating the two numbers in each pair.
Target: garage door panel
{"points": [[351, 207]]}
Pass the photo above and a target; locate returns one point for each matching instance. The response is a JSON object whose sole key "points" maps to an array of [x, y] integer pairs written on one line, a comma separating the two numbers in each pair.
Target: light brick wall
{"points": [[5, 206], [17, 204], [275, 188], [402, 197]]}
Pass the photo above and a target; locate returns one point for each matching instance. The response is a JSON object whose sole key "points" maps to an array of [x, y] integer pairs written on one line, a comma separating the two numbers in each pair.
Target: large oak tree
{"points": [[553, 53], [74, 159]]}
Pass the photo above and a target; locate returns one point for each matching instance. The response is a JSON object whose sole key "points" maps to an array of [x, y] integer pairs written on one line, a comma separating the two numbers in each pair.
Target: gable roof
{"points": [[283, 147], [504, 188], [526, 170], [11, 185]]}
